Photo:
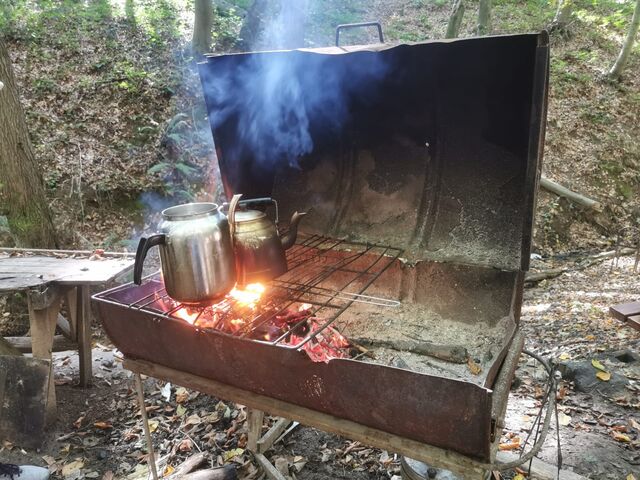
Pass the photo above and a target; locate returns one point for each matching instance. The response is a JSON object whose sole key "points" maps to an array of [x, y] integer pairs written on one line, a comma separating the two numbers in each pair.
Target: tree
{"points": [[202, 24], [563, 16], [484, 17], [621, 61], [22, 193], [455, 20], [252, 25]]}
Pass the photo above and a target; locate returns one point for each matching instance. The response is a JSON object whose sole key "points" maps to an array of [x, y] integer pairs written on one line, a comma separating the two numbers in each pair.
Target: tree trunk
{"points": [[563, 13], [455, 20], [250, 31], [484, 17], [202, 24], [22, 194], [621, 61]]}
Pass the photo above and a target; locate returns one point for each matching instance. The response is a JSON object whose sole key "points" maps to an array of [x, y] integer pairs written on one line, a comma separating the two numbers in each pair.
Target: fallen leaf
{"points": [[180, 411], [474, 368], [108, 475], [519, 476], [72, 467], [92, 474], [103, 425], [598, 365], [153, 425], [631, 477], [185, 445], [168, 471], [182, 395], [232, 453], [564, 356], [635, 425], [193, 420], [604, 376], [166, 392], [49, 459], [564, 419], [620, 437], [513, 445], [78, 422]]}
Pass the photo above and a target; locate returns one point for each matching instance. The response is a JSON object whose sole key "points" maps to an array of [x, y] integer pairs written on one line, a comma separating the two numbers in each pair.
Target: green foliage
{"points": [[226, 28]]}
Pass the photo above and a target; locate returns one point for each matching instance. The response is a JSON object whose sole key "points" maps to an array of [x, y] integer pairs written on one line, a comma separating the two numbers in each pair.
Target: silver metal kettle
{"points": [[196, 253]]}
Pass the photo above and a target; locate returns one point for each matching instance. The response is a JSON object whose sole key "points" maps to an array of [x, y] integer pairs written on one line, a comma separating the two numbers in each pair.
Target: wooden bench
{"points": [[49, 278]]}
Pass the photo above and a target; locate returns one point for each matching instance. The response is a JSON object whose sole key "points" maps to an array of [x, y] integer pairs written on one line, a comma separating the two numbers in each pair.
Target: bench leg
{"points": [[83, 327], [42, 322]]}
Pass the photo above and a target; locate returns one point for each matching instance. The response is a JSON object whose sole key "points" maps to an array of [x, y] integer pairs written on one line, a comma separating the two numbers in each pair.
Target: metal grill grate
{"points": [[329, 275]]}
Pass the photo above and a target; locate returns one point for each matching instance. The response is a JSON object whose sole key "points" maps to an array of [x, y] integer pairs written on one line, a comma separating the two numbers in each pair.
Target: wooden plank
{"points": [[23, 396], [7, 348], [625, 310], [267, 467], [634, 322], [255, 419], [23, 344], [435, 456], [46, 251], [43, 324], [83, 312], [33, 271], [268, 439], [71, 301]]}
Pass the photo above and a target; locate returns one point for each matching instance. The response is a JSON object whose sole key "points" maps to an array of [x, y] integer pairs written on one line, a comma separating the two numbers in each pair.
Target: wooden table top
{"points": [[25, 269]]}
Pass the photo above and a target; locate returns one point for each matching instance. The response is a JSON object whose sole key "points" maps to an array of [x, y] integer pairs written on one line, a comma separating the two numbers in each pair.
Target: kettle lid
{"points": [[248, 215]]}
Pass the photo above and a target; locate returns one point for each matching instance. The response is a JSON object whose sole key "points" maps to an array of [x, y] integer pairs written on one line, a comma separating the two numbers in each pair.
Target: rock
{"points": [[583, 374], [25, 472]]}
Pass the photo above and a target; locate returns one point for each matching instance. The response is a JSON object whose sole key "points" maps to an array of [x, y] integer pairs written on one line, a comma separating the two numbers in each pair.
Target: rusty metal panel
{"points": [[432, 147], [439, 411]]}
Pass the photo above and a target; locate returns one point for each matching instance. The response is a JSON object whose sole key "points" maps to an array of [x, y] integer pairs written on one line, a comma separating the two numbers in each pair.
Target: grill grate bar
{"points": [[326, 273]]}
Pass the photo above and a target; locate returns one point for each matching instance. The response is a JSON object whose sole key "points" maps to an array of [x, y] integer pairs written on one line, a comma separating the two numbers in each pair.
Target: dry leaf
{"points": [[185, 445], [519, 476], [72, 467], [78, 422], [474, 368], [604, 376], [182, 395], [232, 453], [620, 437], [631, 477], [564, 419], [598, 365], [180, 411], [513, 445], [108, 475], [564, 356], [168, 471], [153, 425], [103, 425], [635, 425]]}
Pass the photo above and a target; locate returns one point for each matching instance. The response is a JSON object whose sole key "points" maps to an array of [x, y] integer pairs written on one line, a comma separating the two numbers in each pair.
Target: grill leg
{"points": [[145, 423]]}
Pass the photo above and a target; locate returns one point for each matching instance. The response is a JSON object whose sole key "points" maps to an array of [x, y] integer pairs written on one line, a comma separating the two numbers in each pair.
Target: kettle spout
{"points": [[290, 238]]}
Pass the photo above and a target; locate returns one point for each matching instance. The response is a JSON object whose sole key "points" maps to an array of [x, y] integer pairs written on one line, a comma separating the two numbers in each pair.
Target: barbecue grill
{"points": [[418, 166]]}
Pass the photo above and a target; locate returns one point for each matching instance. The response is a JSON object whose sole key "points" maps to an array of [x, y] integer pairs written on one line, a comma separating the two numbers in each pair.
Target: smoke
{"points": [[271, 107]]}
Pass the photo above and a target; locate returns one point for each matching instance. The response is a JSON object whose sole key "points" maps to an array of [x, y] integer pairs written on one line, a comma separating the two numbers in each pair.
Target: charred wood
{"points": [[449, 353]]}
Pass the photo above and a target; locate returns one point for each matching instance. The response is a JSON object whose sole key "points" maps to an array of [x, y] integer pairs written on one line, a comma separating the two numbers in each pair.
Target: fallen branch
{"points": [[449, 353], [534, 277], [60, 344], [570, 195]]}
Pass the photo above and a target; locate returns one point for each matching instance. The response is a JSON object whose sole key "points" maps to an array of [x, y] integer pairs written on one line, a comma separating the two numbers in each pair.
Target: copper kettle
{"points": [[259, 249]]}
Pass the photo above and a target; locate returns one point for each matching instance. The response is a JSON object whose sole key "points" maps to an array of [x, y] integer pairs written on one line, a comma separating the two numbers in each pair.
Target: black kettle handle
{"points": [[143, 247]]}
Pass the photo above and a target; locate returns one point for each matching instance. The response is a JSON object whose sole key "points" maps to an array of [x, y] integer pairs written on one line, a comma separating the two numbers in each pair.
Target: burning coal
{"points": [[250, 312]]}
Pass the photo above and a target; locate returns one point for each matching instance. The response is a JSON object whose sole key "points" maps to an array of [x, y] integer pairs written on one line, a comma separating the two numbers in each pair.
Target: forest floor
{"points": [[118, 123]]}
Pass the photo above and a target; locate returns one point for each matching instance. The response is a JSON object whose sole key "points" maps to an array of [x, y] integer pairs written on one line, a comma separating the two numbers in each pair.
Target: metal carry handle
{"points": [[345, 26]]}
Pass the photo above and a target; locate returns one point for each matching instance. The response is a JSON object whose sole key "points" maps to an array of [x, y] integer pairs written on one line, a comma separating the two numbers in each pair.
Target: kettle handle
{"points": [[231, 216], [143, 247]]}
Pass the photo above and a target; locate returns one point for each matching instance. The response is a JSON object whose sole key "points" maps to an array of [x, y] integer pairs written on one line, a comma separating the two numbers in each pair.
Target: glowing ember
{"points": [[185, 315], [249, 295]]}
